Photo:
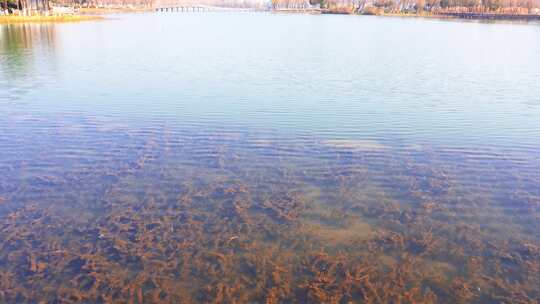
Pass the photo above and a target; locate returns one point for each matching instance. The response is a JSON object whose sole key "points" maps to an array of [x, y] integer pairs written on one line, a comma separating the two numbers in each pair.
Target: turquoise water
{"points": [[268, 158]]}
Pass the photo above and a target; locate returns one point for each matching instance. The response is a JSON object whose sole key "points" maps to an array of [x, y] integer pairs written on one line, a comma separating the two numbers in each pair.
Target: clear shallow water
{"points": [[270, 158]]}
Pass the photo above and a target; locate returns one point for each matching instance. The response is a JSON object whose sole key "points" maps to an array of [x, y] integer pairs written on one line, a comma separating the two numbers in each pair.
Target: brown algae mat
{"points": [[168, 224]]}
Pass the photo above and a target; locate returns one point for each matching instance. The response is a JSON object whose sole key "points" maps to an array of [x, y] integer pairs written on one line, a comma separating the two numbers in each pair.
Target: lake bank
{"points": [[490, 16], [89, 13], [437, 15], [71, 14], [45, 19], [466, 16], [116, 10]]}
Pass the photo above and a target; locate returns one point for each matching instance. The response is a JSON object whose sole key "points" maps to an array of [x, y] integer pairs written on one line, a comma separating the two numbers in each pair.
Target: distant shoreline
{"points": [[88, 14], [442, 15], [16, 19], [491, 16], [465, 16], [116, 10], [77, 15]]}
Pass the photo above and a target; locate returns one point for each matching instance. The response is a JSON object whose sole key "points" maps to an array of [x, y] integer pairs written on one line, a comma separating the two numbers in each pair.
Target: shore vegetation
{"points": [[491, 9], [10, 19]]}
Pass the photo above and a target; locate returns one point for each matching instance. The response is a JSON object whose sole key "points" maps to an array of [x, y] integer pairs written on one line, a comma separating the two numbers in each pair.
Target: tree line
{"points": [[30, 6], [24, 6], [416, 6], [350, 6]]}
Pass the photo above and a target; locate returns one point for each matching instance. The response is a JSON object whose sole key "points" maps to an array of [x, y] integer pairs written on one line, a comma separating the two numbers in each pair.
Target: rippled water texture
{"points": [[265, 158]]}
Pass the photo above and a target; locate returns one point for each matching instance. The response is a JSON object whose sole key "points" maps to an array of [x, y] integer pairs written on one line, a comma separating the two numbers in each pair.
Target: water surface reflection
{"points": [[22, 47]]}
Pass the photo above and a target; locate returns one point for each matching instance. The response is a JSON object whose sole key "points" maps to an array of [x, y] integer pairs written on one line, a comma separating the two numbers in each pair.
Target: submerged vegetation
{"points": [[169, 224]]}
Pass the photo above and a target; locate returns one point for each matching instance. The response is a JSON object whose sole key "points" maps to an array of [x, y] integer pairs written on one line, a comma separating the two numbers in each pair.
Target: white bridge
{"points": [[203, 8]]}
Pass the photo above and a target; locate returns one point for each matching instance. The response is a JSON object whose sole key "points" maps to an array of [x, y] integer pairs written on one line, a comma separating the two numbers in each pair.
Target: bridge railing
{"points": [[203, 8]]}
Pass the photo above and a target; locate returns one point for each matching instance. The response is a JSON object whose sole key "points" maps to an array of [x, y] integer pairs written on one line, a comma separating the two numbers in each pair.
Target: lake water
{"points": [[269, 158]]}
